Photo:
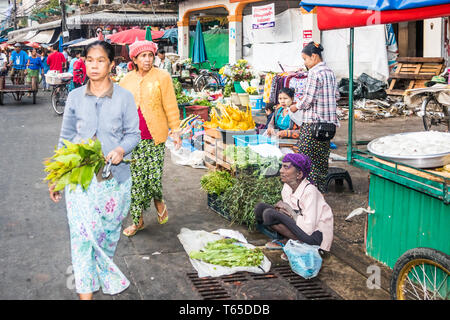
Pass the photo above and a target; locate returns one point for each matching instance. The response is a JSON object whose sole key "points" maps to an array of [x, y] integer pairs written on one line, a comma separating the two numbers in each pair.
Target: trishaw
{"points": [[409, 228], [17, 89]]}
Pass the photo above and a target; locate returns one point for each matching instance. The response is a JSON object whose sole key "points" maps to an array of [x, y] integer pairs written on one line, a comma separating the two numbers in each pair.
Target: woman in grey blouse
{"points": [[107, 112]]}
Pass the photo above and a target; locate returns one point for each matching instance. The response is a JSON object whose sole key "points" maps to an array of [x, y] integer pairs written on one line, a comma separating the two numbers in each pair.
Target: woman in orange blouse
{"points": [[155, 98]]}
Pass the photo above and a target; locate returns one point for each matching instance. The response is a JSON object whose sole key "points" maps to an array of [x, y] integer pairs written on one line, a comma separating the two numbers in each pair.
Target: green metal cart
{"points": [[410, 228]]}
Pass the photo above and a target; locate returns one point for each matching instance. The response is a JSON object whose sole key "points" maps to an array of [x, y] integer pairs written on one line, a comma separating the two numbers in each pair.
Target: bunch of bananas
{"points": [[231, 118]]}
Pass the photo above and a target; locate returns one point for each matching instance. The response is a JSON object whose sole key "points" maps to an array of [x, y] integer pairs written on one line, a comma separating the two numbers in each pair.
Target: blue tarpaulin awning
{"points": [[337, 14], [73, 42], [171, 34], [378, 5]]}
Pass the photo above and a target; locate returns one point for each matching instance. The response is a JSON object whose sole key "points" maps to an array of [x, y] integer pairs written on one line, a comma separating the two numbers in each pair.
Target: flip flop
{"points": [[274, 245], [134, 232], [162, 214]]}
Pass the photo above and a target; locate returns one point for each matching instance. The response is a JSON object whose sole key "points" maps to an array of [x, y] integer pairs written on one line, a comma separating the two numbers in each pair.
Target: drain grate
{"points": [[209, 288], [312, 289], [281, 284]]}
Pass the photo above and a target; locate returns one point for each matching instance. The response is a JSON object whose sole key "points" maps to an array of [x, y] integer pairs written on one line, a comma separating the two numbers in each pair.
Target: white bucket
{"points": [[256, 102]]}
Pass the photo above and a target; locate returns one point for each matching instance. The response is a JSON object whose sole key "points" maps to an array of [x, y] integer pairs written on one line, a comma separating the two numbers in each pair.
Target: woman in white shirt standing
{"points": [[303, 213]]}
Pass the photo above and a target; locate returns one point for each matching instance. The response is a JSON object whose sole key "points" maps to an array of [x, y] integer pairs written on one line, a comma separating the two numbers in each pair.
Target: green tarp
{"points": [[216, 48]]}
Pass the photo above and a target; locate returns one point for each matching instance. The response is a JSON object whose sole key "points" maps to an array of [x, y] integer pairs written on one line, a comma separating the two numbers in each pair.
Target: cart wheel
{"points": [[421, 274]]}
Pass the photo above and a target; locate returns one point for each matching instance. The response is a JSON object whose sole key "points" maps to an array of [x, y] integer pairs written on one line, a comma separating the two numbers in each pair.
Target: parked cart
{"points": [[18, 90], [409, 227]]}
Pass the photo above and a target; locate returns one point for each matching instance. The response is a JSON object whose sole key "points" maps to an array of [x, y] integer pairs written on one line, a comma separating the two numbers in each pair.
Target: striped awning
{"points": [[75, 22]]}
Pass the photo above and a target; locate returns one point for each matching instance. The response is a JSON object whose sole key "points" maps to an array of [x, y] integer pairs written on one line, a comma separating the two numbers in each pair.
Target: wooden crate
{"points": [[214, 153], [412, 72]]}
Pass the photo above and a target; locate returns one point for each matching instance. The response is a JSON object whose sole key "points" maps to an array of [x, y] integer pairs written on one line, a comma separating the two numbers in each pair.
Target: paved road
{"points": [[34, 235]]}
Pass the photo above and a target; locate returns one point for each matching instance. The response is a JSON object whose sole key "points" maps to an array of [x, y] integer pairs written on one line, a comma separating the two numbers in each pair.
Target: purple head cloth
{"points": [[300, 161]]}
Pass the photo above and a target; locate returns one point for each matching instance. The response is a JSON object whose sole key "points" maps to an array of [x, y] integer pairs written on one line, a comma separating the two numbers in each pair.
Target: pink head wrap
{"points": [[142, 46]]}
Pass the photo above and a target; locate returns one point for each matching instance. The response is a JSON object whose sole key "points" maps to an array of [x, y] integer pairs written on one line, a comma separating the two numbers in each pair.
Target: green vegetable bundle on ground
{"points": [[227, 253], [74, 164]]}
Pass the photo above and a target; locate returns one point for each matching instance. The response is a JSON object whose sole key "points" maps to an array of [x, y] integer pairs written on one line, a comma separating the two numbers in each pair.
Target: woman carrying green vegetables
{"points": [[104, 111]]}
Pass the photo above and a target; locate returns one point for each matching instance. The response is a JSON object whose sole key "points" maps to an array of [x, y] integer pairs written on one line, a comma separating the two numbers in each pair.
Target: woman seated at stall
{"points": [[281, 120], [303, 213]]}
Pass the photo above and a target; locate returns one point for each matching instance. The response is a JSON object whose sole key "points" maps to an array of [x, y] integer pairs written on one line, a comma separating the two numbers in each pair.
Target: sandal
{"points": [[274, 245], [135, 230], [160, 215]]}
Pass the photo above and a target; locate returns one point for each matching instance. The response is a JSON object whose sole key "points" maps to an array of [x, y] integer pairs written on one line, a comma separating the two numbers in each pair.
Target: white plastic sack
{"points": [[194, 240], [304, 259], [185, 157]]}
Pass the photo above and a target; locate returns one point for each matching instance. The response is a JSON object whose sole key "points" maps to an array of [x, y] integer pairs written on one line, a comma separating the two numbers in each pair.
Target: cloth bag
{"points": [[304, 259]]}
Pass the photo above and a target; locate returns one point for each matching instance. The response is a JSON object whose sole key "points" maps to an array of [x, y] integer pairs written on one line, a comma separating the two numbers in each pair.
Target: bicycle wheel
{"points": [[59, 96], [199, 83], [435, 115], [206, 82], [421, 274]]}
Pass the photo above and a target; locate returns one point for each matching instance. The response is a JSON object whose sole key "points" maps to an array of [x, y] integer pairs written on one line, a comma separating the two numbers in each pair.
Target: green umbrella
{"points": [[148, 33]]}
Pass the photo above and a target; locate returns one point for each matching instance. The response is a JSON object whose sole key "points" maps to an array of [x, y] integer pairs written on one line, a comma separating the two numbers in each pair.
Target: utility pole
{"points": [[64, 29], [15, 15]]}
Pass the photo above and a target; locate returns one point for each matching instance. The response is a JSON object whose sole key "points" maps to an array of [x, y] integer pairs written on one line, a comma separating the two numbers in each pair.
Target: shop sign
{"points": [[263, 16]]}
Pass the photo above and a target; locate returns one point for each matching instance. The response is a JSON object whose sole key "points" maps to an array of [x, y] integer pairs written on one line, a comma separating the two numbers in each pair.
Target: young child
{"points": [[269, 113], [281, 120]]}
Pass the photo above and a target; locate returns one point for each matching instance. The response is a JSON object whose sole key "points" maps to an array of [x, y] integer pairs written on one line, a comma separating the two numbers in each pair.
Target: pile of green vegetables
{"points": [[216, 182], [247, 191], [239, 196], [181, 97], [74, 164], [243, 158], [228, 253]]}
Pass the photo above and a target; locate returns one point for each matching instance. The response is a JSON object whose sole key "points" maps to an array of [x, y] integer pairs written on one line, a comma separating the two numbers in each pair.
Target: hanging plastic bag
{"points": [[304, 259]]}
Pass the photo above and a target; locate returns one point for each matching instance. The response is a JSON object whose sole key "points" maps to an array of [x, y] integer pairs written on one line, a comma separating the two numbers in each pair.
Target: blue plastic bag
{"points": [[304, 259]]}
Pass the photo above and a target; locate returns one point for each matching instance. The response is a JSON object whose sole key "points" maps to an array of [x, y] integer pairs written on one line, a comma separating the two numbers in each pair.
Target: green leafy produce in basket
{"points": [[240, 200], [228, 253], [74, 164], [216, 182]]}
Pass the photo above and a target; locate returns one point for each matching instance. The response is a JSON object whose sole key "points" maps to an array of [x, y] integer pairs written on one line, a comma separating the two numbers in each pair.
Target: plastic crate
{"points": [[254, 139]]}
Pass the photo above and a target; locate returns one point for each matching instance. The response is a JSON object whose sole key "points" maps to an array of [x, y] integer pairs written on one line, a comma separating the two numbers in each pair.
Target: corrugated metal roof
{"points": [[44, 26], [74, 22]]}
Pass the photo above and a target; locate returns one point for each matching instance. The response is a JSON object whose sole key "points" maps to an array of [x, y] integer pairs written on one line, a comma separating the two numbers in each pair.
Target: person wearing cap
{"points": [[303, 213], [155, 99], [318, 104], [18, 62]]}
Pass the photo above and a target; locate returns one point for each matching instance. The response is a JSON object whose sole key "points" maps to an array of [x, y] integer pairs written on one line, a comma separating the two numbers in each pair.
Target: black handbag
{"points": [[323, 131]]}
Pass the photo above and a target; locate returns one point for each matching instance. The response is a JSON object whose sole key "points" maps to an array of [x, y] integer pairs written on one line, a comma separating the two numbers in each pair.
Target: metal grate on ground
{"points": [[279, 284]]}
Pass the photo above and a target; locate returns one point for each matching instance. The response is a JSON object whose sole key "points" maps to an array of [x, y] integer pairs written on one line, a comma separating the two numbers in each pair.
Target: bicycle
{"points": [[435, 115], [209, 80], [59, 96]]}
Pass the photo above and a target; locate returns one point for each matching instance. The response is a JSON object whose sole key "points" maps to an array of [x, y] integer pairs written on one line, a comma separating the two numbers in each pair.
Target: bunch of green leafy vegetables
{"points": [[216, 182], [182, 98], [74, 164], [244, 159], [228, 253], [248, 190]]}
